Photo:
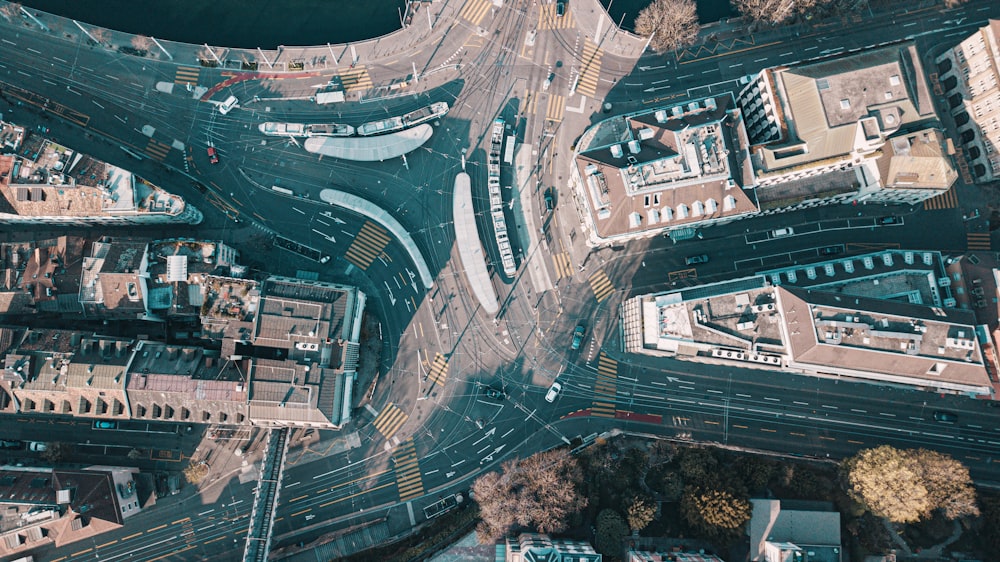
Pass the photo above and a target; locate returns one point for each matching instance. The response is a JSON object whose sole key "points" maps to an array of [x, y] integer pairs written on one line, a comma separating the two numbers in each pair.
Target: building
{"points": [[59, 507], [968, 75], [41, 276], [536, 547], [823, 331], [176, 273], [113, 279], [672, 556], [834, 118], [782, 531], [665, 169], [43, 182]]}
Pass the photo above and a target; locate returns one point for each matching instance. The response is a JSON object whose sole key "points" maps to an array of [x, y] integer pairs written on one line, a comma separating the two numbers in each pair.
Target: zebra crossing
{"points": [[367, 245], [187, 75], [601, 285], [408, 479], [390, 420], [356, 79], [548, 19], [563, 265], [439, 370], [605, 387], [979, 241], [474, 11], [157, 150], [587, 84], [556, 108], [947, 200], [530, 104]]}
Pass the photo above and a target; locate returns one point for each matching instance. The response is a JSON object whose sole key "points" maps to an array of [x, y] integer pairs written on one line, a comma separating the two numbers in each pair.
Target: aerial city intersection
{"points": [[282, 296]]}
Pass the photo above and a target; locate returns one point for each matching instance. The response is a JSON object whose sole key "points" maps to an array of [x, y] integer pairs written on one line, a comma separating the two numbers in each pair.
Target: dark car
{"points": [[213, 156], [10, 444], [494, 393], [550, 200], [561, 8], [578, 334], [830, 250], [890, 220], [946, 417], [695, 260]]}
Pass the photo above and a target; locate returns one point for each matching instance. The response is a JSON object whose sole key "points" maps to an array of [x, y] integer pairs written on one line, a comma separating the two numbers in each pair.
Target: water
{"points": [[269, 23]]}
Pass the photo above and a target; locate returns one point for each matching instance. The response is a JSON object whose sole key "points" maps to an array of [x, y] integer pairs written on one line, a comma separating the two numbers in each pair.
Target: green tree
{"points": [[715, 513], [640, 512], [611, 528], [698, 465], [672, 23]]}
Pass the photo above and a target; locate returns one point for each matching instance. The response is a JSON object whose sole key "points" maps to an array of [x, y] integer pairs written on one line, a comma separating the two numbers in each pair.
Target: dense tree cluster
{"points": [[782, 11], [541, 491], [714, 512], [907, 485], [671, 23]]}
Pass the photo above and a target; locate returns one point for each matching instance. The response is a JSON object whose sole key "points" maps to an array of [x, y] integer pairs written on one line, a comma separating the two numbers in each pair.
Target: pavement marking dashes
{"points": [[605, 387], [591, 69], [556, 107], [530, 104], [601, 285], [474, 11], [408, 478], [563, 264], [187, 75], [979, 241], [157, 150], [547, 18], [947, 200], [390, 420], [439, 370], [356, 79], [367, 245]]}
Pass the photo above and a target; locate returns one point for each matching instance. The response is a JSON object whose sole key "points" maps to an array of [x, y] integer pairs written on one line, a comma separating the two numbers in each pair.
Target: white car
{"points": [[228, 105], [781, 232], [36, 446], [553, 392]]}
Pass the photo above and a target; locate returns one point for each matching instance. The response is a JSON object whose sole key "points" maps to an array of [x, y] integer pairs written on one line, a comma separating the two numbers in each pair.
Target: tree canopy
{"points": [[906, 485], [672, 23], [714, 512], [541, 491]]}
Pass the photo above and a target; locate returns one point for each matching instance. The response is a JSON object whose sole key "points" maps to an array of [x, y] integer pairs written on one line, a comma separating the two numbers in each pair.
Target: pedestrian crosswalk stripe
{"points": [[947, 200], [601, 285], [474, 11], [355, 79], [187, 75], [591, 69], [157, 150], [979, 241], [439, 370], [407, 468], [564, 267], [390, 420], [605, 387], [367, 245], [557, 104], [548, 19], [530, 104]]}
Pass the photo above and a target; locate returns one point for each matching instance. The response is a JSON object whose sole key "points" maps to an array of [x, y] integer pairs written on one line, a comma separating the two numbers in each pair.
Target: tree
{"points": [[672, 24], [640, 512], [56, 452], [196, 472], [541, 490], [610, 530], [714, 512], [906, 485], [10, 11], [99, 35], [698, 465], [783, 11], [141, 42]]}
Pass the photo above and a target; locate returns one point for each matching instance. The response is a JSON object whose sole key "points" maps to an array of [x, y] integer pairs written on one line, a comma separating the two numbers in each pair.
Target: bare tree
{"points": [[672, 24], [10, 11], [541, 490], [196, 472], [141, 42], [100, 35]]}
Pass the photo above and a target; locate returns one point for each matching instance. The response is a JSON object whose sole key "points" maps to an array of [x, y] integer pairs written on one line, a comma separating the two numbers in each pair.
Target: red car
{"points": [[213, 156]]}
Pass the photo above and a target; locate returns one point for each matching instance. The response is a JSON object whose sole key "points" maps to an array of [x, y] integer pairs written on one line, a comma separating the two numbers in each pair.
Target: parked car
{"points": [[213, 156], [36, 446], [830, 250], [494, 393], [781, 232], [553, 392], [548, 81], [695, 260], [561, 8], [578, 334], [550, 200], [105, 424], [890, 220], [228, 105], [11, 444], [946, 417]]}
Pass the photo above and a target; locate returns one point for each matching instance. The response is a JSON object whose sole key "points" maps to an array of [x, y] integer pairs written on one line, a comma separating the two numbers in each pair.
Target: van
{"points": [[228, 105]]}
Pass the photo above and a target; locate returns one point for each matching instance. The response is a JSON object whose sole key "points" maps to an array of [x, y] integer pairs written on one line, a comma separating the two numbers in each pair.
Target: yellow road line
{"points": [[298, 498], [185, 520], [169, 554], [164, 526], [215, 539], [81, 552], [132, 536], [301, 512], [107, 544]]}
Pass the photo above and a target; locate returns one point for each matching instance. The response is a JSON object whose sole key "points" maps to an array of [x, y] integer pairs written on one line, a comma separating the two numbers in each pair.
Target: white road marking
{"points": [[859, 411], [800, 403], [97, 104], [34, 51], [769, 399], [887, 414], [830, 407], [298, 211], [743, 395]]}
